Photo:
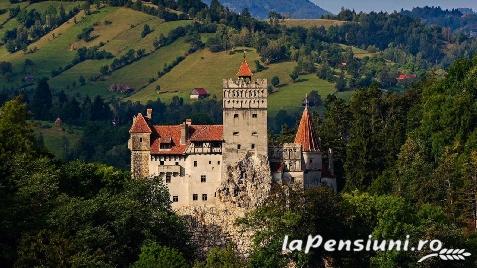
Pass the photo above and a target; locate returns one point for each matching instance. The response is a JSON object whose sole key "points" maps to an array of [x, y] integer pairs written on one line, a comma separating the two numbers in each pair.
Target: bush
{"points": [[155, 255], [275, 81], [146, 30]]}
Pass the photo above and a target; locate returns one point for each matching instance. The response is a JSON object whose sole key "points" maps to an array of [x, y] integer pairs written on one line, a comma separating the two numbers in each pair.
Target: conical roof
{"points": [[244, 70], [304, 135], [140, 125]]}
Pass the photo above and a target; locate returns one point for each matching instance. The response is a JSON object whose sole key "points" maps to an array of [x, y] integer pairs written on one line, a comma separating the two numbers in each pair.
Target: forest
{"points": [[407, 164]]}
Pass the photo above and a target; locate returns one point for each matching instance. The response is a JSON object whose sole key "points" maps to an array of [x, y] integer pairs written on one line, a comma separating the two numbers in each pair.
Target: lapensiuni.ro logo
{"points": [[371, 244]]}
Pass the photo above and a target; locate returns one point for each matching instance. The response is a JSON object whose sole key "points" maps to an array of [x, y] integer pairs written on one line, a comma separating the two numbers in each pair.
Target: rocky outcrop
{"points": [[246, 186]]}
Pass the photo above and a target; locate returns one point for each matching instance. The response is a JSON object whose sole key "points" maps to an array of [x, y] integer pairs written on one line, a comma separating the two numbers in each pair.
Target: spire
{"points": [[304, 135], [244, 70]]}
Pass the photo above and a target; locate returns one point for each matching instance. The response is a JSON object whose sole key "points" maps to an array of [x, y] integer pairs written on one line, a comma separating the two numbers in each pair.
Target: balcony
{"points": [[169, 169]]}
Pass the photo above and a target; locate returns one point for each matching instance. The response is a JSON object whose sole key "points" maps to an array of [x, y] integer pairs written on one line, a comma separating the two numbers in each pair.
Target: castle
{"points": [[193, 159]]}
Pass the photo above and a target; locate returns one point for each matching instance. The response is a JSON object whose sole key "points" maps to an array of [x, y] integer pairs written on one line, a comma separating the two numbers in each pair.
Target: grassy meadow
{"points": [[119, 29]]}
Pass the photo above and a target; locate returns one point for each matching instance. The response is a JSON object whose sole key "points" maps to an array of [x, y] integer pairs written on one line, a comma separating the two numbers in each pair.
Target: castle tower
{"points": [[140, 145], [244, 116], [312, 156]]}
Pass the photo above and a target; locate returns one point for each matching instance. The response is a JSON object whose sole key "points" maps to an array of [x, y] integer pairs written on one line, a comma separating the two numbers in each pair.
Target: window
{"points": [[195, 197], [175, 199], [253, 146], [203, 178], [165, 146], [140, 139], [218, 162], [239, 146], [254, 133], [168, 178], [210, 162], [195, 163], [161, 163], [177, 163], [204, 197], [235, 115], [254, 115], [236, 133]]}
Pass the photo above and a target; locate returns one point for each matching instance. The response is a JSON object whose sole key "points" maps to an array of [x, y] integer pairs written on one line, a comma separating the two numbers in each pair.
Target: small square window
{"points": [[140, 139], [239, 146], [195, 197], [203, 178], [204, 197], [218, 162], [254, 115], [236, 116], [177, 163], [161, 163], [210, 162], [168, 178], [175, 199], [253, 146], [195, 163]]}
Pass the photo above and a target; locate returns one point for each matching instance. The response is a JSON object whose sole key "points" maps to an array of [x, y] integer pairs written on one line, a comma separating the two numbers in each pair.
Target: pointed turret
{"points": [[140, 125], [244, 70], [304, 135]]}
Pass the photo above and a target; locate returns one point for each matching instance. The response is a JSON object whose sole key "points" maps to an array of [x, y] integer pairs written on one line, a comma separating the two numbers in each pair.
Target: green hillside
{"points": [[118, 30], [206, 69], [58, 140]]}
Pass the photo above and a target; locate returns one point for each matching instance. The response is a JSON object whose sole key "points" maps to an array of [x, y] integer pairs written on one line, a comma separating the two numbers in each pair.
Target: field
{"points": [[206, 69], [118, 30], [308, 23], [135, 75], [359, 53], [57, 140], [8, 24]]}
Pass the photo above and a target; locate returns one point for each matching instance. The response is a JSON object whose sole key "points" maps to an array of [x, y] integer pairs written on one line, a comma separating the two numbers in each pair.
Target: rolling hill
{"points": [[297, 9], [118, 30]]}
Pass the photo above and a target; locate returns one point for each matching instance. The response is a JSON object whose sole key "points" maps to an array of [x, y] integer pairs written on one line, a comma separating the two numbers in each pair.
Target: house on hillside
{"points": [[199, 93], [405, 77]]}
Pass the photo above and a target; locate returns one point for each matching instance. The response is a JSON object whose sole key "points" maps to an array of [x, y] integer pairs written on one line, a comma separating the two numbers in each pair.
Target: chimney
{"points": [[184, 132], [149, 114]]}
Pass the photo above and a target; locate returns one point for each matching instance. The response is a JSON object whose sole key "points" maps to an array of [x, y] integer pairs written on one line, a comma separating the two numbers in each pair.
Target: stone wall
{"points": [[246, 187]]}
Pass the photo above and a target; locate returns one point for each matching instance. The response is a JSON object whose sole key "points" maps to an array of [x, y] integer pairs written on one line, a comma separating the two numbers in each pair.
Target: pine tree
{"points": [[42, 100]]}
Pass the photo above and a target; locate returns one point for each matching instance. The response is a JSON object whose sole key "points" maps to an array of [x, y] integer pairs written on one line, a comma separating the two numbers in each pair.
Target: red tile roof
{"points": [[206, 132], [172, 135], [244, 70], [406, 76], [200, 92], [304, 135], [140, 125], [166, 134]]}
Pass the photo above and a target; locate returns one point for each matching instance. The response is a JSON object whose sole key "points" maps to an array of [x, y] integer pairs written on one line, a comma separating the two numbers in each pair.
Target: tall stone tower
{"points": [[244, 116], [140, 145]]}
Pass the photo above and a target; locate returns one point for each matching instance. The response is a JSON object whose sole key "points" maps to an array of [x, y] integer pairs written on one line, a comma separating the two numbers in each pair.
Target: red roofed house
{"points": [[193, 159], [404, 77], [199, 93]]}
